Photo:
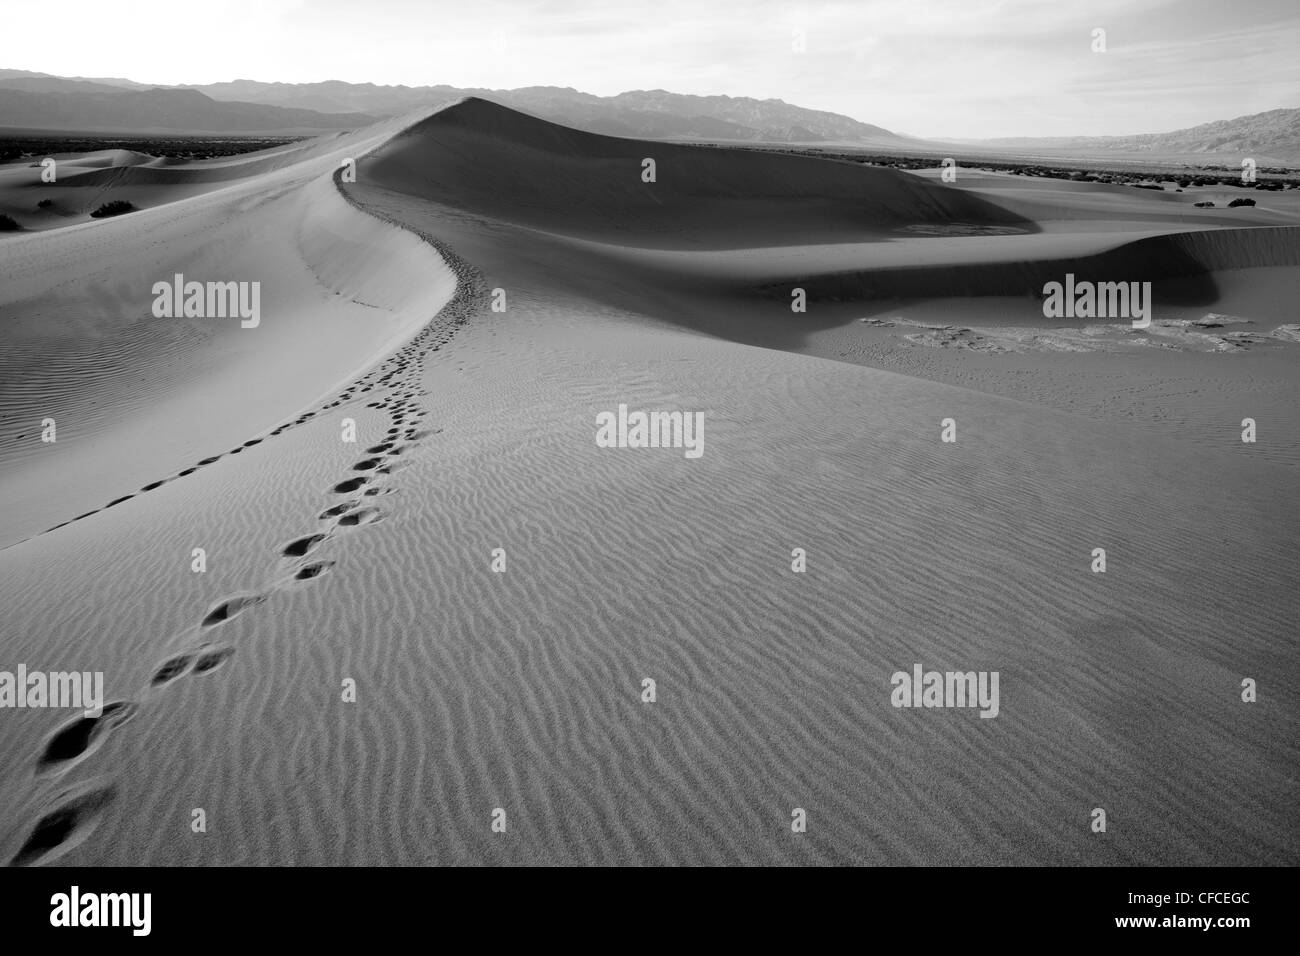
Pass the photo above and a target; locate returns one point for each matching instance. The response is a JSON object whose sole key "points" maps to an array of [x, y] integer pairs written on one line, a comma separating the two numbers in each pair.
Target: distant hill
{"points": [[36, 83], [652, 114], [331, 96], [658, 114], [103, 81], [69, 105], [1272, 135], [648, 114]]}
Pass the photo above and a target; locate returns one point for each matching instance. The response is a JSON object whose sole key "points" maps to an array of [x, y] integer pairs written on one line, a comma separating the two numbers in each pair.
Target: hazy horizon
{"points": [[1006, 68]]}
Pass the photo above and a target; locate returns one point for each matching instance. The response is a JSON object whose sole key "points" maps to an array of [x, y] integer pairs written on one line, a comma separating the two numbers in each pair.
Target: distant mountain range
{"points": [[43, 101], [1274, 134], [53, 103]]}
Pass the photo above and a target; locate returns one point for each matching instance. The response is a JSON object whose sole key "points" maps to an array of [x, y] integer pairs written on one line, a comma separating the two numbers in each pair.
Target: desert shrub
{"points": [[1241, 202], [45, 204], [114, 208], [1205, 205], [7, 224]]}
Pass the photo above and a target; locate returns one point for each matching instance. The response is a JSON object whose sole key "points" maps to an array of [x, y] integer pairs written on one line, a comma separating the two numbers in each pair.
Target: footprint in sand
{"points": [[315, 570], [75, 814], [82, 736], [349, 486], [210, 659], [232, 606], [302, 546], [170, 669], [359, 517]]}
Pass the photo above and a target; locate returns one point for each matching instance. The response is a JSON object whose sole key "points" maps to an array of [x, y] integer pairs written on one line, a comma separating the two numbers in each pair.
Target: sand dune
{"points": [[137, 398], [521, 690], [489, 160]]}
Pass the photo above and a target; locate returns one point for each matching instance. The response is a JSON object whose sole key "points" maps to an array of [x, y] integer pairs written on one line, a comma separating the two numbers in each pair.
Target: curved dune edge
{"points": [[371, 266]]}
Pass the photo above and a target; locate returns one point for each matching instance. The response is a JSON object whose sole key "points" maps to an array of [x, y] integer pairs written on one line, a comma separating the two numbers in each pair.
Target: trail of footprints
{"points": [[360, 387], [75, 811]]}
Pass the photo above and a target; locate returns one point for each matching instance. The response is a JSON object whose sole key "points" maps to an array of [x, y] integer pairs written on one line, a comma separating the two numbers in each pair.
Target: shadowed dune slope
{"points": [[489, 160]]}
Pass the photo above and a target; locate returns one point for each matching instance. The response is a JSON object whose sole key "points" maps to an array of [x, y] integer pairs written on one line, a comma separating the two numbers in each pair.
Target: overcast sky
{"points": [[936, 68]]}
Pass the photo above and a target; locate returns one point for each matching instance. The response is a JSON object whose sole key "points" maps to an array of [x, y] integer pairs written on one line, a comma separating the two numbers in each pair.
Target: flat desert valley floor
{"points": [[371, 562]]}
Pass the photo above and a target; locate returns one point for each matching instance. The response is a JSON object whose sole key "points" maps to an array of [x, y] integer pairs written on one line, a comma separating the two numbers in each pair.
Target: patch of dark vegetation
{"points": [[45, 204], [7, 224], [115, 208], [18, 147]]}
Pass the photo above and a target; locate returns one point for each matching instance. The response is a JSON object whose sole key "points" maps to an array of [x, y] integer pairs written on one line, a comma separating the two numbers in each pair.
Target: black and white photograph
{"points": [[695, 434]]}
